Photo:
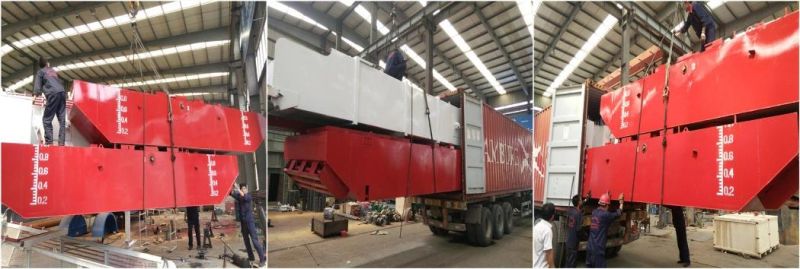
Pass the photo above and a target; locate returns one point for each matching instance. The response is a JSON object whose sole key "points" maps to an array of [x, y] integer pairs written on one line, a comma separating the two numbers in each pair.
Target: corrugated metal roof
{"points": [[187, 25], [503, 18], [604, 59]]}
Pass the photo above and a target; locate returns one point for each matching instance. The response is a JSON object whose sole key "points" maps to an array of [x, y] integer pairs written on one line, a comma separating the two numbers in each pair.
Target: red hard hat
{"points": [[604, 199]]}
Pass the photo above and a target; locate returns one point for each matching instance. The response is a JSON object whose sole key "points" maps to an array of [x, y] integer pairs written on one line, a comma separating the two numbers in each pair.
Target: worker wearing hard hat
{"points": [[700, 19], [47, 82], [249, 233], [601, 220]]}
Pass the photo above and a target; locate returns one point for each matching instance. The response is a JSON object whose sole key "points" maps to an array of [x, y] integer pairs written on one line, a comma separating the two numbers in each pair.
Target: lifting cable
{"points": [[137, 44], [665, 97], [639, 125]]}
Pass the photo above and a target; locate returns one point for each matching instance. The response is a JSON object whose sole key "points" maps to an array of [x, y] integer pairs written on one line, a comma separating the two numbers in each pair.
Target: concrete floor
{"points": [[180, 255], [292, 244], [659, 249]]}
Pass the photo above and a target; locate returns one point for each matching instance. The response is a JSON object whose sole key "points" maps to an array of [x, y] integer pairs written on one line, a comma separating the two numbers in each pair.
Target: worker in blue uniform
{"points": [[46, 81], [193, 221], [679, 222], [395, 65], [700, 19], [574, 221], [249, 232], [601, 220]]}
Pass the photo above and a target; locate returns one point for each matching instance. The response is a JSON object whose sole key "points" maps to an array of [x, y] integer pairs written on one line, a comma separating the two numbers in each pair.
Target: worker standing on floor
{"points": [[679, 222], [249, 232], [574, 217], [700, 19], [598, 232], [46, 81], [193, 219], [543, 238]]}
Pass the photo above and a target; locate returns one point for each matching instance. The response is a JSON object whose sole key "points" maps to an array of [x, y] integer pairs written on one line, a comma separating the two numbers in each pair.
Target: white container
{"points": [[346, 88], [746, 233]]}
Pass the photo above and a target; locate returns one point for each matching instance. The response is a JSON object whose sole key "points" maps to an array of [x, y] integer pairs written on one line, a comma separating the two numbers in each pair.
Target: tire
{"points": [[498, 222], [472, 233], [438, 231], [612, 251], [508, 212], [483, 236]]}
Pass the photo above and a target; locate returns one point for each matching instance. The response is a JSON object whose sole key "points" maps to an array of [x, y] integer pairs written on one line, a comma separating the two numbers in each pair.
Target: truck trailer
{"points": [[363, 135]]}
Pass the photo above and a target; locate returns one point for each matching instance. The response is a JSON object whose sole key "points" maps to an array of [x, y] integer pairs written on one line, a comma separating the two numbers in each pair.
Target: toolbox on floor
{"points": [[326, 228]]}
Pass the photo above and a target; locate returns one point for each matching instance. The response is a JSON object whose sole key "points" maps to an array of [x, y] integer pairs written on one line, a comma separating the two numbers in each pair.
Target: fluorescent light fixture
{"points": [[528, 10], [171, 79], [192, 94], [536, 108], [547, 94], [381, 28], [515, 112], [352, 44], [20, 83], [364, 14], [417, 59], [467, 50], [294, 13], [584, 51], [678, 27], [145, 14], [713, 4], [143, 55], [512, 105], [619, 6], [423, 2], [127, 58]]}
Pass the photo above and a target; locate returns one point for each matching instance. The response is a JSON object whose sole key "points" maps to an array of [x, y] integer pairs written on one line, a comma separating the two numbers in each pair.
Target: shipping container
{"points": [[562, 133], [489, 174], [541, 134], [363, 135], [507, 150]]}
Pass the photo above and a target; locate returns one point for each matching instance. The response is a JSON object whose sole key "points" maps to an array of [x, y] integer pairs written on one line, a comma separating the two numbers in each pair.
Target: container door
{"points": [[473, 146], [564, 147]]}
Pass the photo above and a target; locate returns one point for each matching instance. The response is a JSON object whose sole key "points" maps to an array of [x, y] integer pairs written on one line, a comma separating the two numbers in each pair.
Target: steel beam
{"points": [[445, 10], [387, 7], [457, 71], [75, 9], [326, 20], [616, 56], [349, 11], [301, 35], [626, 24], [520, 79], [459, 74], [648, 23], [195, 69], [576, 7], [752, 18]]}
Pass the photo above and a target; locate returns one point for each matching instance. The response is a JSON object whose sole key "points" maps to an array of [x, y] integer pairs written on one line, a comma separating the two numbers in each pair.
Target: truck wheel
{"points": [[472, 233], [508, 212], [498, 221], [484, 233], [437, 231], [612, 251]]}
